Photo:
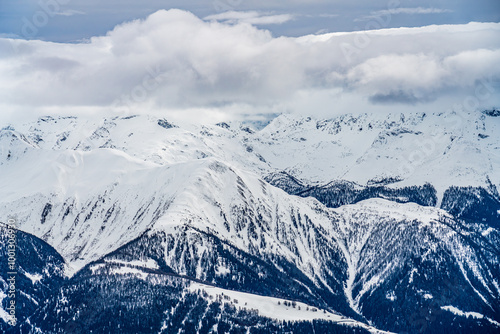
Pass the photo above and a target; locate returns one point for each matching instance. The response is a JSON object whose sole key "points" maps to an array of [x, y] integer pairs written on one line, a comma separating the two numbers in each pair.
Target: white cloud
{"points": [[416, 76], [173, 62], [250, 17], [328, 15], [403, 10], [69, 12], [412, 11]]}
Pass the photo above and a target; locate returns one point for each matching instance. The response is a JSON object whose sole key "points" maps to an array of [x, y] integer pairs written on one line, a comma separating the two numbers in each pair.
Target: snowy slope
{"points": [[104, 198], [278, 309], [143, 137]]}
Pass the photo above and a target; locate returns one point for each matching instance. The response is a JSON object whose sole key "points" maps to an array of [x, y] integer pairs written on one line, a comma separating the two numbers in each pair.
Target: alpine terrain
{"points": [[363, 223]]}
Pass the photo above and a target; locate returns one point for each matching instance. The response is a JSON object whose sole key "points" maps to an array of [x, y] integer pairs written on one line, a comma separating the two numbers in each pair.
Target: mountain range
{"points": [[359, 223]]}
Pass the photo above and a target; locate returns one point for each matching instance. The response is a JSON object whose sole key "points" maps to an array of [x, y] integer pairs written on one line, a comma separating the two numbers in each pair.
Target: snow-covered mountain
{"points": [[444, 149], [449, 160], [177, 221]]}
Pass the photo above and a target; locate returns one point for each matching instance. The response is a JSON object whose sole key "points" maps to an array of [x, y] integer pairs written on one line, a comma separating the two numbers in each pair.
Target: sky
{"points": [[222, 59], [73, 20]]}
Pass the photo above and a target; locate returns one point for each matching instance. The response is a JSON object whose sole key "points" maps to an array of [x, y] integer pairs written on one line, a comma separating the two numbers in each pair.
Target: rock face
{"points": [[137, 225]]}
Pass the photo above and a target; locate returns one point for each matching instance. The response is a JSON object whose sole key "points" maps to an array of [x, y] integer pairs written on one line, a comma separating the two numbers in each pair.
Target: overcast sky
{"points": [[78, 19], [233, 58]]}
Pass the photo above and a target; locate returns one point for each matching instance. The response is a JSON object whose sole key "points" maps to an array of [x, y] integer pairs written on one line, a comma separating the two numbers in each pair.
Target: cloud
{"points": [[394, 97], [403, 10], [415, 77], [250, 17], [69, 12], [328, 15], [178, 64], [412, 11]]}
